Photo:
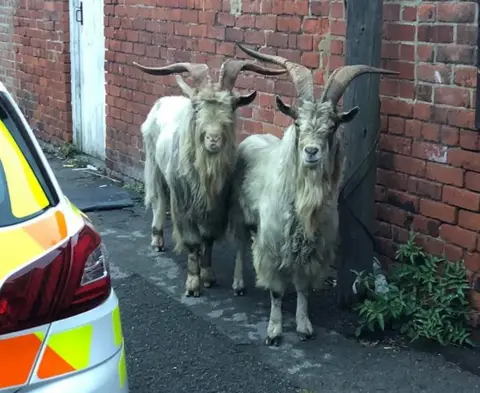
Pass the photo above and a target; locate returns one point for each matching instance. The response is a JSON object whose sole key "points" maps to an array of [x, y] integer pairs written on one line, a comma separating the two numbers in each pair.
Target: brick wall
{"points": [[429, 171], [35, 63]]}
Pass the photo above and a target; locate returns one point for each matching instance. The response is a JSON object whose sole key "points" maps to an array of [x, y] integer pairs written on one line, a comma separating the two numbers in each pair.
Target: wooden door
{"points": [[87, 51]]}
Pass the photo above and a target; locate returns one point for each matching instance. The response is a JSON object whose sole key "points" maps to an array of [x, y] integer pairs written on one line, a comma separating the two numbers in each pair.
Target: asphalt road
{"points": [[173, 351], [215, 343]]}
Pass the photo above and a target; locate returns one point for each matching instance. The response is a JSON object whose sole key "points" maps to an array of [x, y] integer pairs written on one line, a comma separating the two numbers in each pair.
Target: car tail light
{"points": [[69, 280]]}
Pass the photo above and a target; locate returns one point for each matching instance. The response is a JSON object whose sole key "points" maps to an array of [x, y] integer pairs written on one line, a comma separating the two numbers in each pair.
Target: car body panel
{"points": [[79, 354]]}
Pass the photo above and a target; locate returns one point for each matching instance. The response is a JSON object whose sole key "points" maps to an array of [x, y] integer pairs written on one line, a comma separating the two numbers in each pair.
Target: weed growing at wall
{"points": [[426, 297]]}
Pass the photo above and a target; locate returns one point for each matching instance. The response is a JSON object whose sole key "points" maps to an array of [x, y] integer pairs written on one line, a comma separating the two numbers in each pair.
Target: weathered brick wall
{"points": [[429, 170], [35, 63]]}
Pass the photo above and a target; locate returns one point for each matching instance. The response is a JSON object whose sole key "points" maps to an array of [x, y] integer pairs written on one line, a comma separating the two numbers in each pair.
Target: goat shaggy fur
{"points": [[190, 145], [285, 192]]}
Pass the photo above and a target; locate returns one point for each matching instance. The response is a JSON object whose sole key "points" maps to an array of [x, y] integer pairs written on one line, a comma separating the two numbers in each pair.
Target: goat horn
{"points": [[301, 76], [197, 71], [231, 68], [341, 77]]}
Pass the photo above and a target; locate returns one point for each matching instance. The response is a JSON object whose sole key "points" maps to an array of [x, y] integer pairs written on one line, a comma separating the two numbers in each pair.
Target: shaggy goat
{"points": [[190, 145], [284, 194]]}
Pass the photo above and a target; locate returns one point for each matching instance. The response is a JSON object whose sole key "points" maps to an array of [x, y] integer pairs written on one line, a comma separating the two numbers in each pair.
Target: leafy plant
{"points": [[426, 297]]}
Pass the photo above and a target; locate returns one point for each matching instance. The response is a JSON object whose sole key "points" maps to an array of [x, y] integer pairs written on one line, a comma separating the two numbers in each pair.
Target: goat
{"points": [[285, 191], [190, 145]]}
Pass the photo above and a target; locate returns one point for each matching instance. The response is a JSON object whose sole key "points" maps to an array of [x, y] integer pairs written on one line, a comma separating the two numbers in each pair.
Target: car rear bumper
{"points": [[106, 377]]}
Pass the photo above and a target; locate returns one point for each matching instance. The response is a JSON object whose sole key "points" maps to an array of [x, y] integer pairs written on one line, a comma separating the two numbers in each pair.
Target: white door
{"points": [[87, 51]]}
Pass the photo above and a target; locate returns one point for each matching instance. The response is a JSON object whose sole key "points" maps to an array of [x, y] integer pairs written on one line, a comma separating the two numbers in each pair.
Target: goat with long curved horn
{"points": [[190, 149], [285, 194]]}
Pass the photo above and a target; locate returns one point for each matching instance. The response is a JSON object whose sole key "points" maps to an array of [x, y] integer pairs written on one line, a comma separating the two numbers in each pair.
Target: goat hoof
{"points": [[209, 284], [275, 341], [158, 248], [192, 293], [305, 336], [239, 292]]}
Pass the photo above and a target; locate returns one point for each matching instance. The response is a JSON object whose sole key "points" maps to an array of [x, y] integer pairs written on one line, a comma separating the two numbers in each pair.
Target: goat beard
{"points": [[309, 198], [214, 170]]}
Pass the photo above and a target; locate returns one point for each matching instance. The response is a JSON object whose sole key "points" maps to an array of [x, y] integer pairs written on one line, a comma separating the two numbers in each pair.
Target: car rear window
{"points": [[24, 191]]}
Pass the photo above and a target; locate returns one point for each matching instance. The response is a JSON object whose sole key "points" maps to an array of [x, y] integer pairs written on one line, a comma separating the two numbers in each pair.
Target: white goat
{"points": [[190, 146], [285, 191]]}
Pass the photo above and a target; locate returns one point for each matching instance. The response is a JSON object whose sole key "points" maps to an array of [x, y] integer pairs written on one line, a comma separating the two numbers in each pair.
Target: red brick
{"points": [[288, 23], [337, 10], [424, 92], [233, 34], [465, 159], [399, 32], [434, 73], [472, 181], [396, 125], [456, 54], [338, 28], [425, 52], [430, 151], [431, 245], [255, 37], [427, 12], [472, 261], [470, 140], [393, 215], [277, 40], [409, 14], [291, 54], [426, 225], [305, 42], [310, 59], [462, 12], [438, 210], [395, 144], [247, 21], [459, 236], [266, 22], [393, 180], [225, 19], [318, 8], [425, 188], [467, 34], [430, 132], [452, 252], [435, 33], [453, 96], [391, 11], [466, 76], [449, 135], [461, 118], [383, 229], [469, 220], [444, 174], [461, 198]]}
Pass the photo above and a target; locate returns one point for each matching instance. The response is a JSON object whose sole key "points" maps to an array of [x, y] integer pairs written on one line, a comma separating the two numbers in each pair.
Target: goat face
{"points": [[214, 119], [316, 124]]}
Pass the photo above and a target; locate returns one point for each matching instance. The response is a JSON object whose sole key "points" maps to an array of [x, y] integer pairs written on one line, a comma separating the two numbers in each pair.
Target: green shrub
{"points": [[425, 297]]}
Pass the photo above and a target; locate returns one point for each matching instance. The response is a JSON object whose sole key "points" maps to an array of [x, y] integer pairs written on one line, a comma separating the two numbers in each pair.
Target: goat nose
{"points": [[312, 150]]}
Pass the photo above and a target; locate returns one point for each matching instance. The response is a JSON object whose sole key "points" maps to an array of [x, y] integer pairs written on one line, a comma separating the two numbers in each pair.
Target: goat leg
{"points": [[238, 285], [206, 271], [192, 285], [274, 330], [305, 329], [159, 208]]}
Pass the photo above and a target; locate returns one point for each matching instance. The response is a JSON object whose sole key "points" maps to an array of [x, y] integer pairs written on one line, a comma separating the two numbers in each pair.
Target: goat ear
{"points": [[187, 90], [346, 117], [286, 109], [244, 100]]}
